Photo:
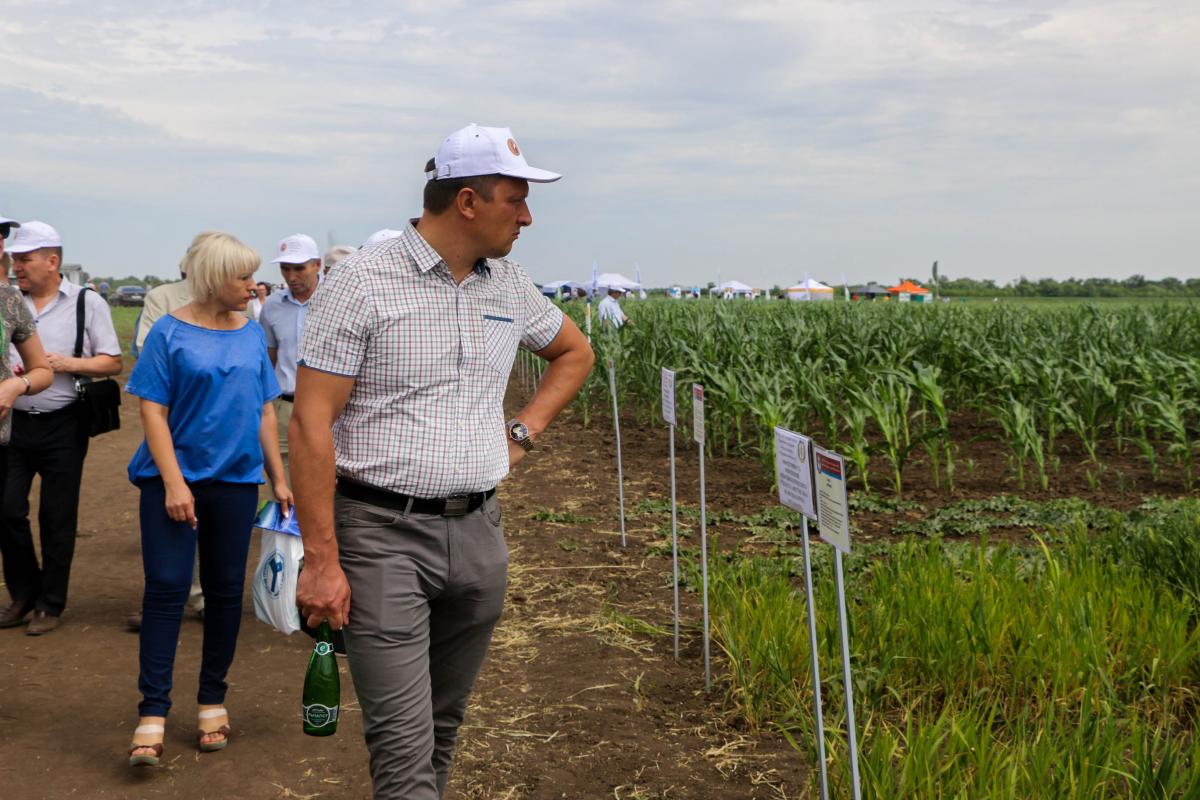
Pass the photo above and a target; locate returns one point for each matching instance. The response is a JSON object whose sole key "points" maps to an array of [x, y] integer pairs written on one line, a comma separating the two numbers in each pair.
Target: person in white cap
{"points": [[17, 329], [48, 438], [380, 236], [282, 320], [335, 254], [399, 413], [610, 312]]}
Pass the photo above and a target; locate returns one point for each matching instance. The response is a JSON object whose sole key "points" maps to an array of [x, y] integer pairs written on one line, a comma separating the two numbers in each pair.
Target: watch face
{"points": [[518, 432]]}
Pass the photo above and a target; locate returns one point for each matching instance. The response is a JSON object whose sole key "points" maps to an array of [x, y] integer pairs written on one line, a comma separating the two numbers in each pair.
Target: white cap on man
{"points": [[475, 150], [297, 249], [380, 236], [32, 236]]}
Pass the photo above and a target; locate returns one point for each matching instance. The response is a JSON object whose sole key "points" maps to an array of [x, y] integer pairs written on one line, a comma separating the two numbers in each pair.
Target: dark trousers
{"points": [[225, 512], [52, 446]]}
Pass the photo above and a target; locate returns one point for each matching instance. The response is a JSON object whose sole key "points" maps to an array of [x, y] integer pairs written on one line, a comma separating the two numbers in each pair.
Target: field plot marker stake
{"points": [[668, 412], [794, 475], [816, 667], [698, 435], [853, 739], [612, 384], [833, 514]]}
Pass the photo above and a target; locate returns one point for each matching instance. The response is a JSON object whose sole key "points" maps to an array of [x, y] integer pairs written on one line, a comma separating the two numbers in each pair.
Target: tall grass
{"points": [[983, 671]]}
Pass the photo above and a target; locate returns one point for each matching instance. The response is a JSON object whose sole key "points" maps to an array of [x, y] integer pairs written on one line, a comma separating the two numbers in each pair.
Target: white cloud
{"points": [[1034, 137]]}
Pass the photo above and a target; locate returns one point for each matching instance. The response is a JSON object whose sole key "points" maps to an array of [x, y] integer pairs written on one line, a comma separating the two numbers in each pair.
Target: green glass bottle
{"points": [[322, 687]]}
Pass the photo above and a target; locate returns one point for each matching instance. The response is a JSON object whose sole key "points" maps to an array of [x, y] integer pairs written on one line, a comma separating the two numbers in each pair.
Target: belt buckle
{"points": [[457, 506]]}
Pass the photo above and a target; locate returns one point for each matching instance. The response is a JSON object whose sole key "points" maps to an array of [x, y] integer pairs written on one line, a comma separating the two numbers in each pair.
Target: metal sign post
{"points": [[794, 475], [668, 413], [834, 519], [698, 435], [612, 384]]}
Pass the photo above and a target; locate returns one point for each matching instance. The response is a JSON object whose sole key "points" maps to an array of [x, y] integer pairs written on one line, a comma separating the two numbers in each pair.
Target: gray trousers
{"points": [[425, 593]]}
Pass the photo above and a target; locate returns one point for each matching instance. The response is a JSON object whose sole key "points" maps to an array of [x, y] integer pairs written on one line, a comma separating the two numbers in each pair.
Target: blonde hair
{"points": [[213, 259]]}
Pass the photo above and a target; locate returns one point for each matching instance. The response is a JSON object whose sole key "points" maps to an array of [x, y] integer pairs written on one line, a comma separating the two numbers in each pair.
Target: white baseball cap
{"points": [[380, 236], [297, 249], [10, 222], [32, 236], [475, 150]]}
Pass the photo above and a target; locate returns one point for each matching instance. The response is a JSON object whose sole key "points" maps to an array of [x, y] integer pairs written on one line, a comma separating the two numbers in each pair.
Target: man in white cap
{"points": [[48, 438], [399, 413], [282, 319], [381, 235], [610, 312]]}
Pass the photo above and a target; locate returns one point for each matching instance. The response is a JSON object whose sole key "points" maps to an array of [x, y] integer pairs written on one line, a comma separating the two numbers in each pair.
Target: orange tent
{"points": [[908, 287]]}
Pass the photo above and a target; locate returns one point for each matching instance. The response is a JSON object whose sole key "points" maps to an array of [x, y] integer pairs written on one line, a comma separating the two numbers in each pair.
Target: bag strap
{"points": [[79, 322]]}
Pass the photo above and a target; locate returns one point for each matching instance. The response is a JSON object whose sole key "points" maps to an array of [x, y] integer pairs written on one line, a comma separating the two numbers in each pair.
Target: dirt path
{"points": [[574, 702]]}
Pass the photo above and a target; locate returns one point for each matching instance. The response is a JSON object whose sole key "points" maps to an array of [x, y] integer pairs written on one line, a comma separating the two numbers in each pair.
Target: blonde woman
{"points": [[206, 386]]}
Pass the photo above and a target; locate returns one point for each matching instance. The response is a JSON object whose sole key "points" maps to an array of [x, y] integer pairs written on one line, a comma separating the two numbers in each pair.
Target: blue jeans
{"points": [[225, 512]]}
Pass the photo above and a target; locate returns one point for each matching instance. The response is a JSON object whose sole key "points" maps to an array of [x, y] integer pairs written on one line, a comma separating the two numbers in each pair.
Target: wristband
{"points": [[28, 385]]}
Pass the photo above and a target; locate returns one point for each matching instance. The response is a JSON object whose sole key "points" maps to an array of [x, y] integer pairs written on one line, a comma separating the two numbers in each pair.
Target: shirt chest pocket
{"points": [[500, 342]]}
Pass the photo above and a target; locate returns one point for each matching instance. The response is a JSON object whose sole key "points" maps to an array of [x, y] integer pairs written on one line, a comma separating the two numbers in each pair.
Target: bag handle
{"points": [[79, 322]]}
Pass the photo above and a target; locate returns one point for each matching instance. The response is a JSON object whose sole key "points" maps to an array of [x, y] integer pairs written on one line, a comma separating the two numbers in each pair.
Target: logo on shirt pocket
{"points": [[500, 342]]}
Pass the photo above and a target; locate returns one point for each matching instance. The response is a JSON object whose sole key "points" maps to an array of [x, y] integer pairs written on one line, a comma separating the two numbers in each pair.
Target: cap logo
{"points": [[283, 247], [512, 147]]}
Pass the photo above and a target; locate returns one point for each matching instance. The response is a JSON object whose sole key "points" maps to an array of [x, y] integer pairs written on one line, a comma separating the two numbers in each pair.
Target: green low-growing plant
{"points": [[983, 671]]}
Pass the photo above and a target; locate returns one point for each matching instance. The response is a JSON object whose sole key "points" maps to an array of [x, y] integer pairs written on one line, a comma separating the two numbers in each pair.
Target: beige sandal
{"points": [[223, 731], [156, 748]]}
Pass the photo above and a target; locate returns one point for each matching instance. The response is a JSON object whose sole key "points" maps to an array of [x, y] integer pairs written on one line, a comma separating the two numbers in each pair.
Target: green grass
{"points": [[987, 672], [123, 318]]}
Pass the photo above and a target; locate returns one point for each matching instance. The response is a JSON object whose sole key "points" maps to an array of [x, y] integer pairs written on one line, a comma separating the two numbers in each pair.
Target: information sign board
{"points": [[698, 413], [668, 396], [794, 473], [833, 513]]}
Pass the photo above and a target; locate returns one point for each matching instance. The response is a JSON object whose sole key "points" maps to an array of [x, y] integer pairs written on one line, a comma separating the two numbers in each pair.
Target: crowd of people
{"points": [[370, 396]]}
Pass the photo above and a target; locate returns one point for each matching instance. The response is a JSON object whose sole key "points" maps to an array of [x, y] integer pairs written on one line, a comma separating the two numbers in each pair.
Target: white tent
{"points": [[810, 290], [615, 280], [733, 288]]}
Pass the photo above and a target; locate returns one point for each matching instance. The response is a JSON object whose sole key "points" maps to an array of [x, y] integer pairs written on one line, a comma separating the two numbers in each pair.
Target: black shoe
{"points": [[15, 614]]}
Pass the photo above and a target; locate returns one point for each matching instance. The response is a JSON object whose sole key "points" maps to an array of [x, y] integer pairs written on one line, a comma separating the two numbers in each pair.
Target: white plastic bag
{"points": [[278, 569]]}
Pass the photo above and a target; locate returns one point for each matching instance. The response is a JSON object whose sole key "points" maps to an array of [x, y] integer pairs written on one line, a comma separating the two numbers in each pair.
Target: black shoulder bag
{"points": [[99, 400]]}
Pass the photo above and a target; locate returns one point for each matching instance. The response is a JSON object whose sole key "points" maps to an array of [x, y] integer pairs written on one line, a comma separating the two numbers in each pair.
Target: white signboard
{"points": [[794, 472], [833, 513], [668, 396], [698, 413]]}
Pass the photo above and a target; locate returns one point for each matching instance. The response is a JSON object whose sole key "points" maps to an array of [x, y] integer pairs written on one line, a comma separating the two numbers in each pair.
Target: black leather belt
{"points": [[58, 412], [457, 506], [290, 398]]}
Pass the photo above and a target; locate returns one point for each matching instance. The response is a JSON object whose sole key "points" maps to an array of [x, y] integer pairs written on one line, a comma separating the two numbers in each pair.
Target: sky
{"points": [[757, 140]]}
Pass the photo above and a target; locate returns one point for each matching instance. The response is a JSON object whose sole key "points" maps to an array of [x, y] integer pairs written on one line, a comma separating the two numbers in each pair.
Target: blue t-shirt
{"points": [[214, 385]]}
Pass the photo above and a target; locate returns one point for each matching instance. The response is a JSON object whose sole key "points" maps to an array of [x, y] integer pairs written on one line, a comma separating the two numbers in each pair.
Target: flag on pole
{"points": [[935, 281], [845, 287], [807, 293], [637, 278], [594, 272]]}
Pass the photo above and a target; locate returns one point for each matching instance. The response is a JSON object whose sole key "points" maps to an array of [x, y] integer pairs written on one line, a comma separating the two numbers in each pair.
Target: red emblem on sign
{"points": [[512, 147]]}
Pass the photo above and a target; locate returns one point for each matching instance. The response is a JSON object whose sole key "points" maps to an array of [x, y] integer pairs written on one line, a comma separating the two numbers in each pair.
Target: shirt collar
{"points": [[425, 257]]}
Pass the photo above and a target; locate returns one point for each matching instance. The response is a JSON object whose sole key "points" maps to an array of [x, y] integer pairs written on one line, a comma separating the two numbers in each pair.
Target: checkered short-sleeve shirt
{"points": [[430, 359]]}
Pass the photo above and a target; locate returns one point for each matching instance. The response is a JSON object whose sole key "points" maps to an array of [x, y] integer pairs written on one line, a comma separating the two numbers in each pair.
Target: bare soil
{"points": [[573, 701]]}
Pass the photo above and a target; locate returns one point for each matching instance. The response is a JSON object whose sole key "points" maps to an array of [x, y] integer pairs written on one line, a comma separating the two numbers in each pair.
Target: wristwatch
{"points": [[519, 432]]}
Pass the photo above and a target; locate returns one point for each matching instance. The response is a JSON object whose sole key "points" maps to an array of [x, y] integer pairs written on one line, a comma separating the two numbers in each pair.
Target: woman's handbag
{"points": [[99, 400]]}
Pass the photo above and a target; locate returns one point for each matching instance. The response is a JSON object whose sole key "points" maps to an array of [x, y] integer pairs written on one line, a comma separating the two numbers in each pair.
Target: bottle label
{"points": [[323, 648], [318, 716]]}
